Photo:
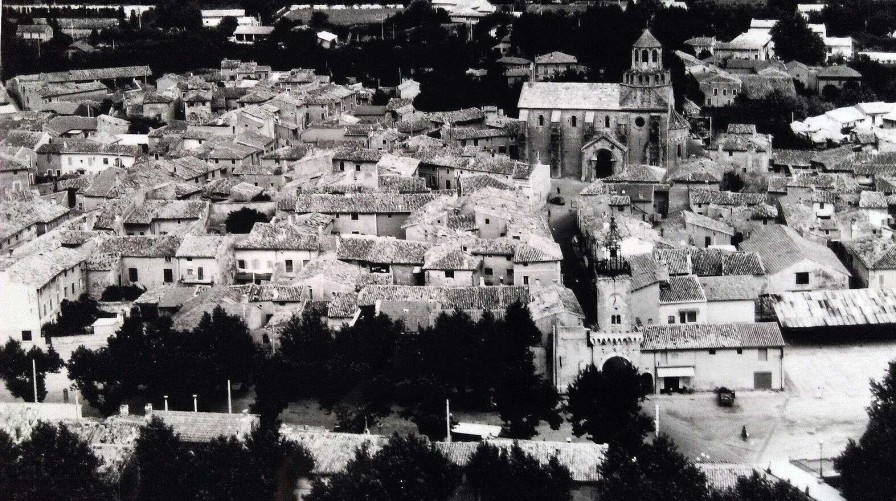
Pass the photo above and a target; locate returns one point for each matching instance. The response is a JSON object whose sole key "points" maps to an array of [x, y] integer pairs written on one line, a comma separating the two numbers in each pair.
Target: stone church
{"points": [[592, 130]]}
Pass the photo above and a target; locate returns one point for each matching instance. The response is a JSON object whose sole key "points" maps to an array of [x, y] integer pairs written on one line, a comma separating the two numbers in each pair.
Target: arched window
{"points": [[572, 121], [637, 59], [607, 121], [640, 79], [541, 120], [655, 55], [644, 56], [679, 150]]}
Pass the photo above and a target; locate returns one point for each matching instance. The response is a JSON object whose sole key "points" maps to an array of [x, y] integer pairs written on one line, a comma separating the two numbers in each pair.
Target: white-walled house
{"points": [[794, 263], [873, 259], [276, 249], [206, 260], [706, 357], [32, 289]]}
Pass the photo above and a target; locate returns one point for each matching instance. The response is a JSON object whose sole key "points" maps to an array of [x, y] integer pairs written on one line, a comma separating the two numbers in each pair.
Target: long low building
{"points": [[703, 357], [862, 311]]}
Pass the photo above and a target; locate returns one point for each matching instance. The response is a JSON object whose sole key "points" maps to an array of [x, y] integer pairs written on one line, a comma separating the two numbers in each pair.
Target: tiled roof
{"points": [[705, 196], [637, 173], [556, 57], [781, 247], [721, 476], [730, 288], [281, 235], [695, 219], [876, 253], [381, 250], [199, 427], [330, 268], [570, 96], [343, 305], [18, 215], [449, 257], [705, 336], [838, 71], [836, 308], [358, 155], [681, 289], [38, 269], [362, 202], [647, 40], [799, 158], [551, 299], [494, 298], [872, 200], [457, 116], [202, 245], [112, 249], [153, 210]]}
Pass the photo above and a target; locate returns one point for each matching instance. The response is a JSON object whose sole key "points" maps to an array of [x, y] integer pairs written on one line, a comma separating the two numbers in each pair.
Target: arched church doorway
{"points": [[603, 163]]}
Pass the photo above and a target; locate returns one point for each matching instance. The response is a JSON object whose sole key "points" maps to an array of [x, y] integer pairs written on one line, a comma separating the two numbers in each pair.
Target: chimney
{"points": [[147, 410], [662, 270], [123, 410]]}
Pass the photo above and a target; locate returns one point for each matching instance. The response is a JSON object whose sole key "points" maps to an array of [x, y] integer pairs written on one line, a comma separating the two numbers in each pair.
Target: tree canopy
{"points": [[514, 475], [407, 468], [656, 472], [794, 40], [866, 466], [148, 357], [758, 488], [262, 466], [17, 370], [243, 220], [606, 405], [51, 464]]}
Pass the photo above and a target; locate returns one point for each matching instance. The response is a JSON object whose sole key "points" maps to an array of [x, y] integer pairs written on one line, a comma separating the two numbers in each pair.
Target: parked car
{"points": [[558, 201], [724, 397]]}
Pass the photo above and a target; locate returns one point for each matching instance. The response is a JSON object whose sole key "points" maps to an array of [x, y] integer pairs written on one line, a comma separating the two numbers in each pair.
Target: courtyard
{"points": [[827, 392]]}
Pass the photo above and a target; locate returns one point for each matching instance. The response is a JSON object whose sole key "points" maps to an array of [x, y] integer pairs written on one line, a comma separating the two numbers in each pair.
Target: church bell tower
{"points": [[614, 283], [647, 64]]}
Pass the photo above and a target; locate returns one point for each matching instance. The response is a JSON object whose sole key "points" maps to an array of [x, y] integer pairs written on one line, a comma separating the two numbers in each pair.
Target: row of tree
{"points": [[52, 463]]}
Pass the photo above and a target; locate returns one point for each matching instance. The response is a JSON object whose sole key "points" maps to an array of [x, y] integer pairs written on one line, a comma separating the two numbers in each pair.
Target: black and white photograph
{"points": [[448, 250]]}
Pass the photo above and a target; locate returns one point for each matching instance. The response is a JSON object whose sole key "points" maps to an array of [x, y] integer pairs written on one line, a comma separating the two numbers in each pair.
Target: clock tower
{"points": [[614, 283]]}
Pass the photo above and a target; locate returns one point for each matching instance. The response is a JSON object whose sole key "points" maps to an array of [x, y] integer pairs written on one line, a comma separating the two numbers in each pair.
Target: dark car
{"points": [[724, 397], [558, 201]]}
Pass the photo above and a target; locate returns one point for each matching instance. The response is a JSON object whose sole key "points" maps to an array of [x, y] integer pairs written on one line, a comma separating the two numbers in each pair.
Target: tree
{"points": [[178, 14], [51, 464], [407, 468], [523, 398], [243, 220], [74, 317], [227, 26], [307, 343], [656, 472], [17, 370], [731, 181], [164, 464], [606, 405], [319, 20], [866, 466], [514, 475], [759, 488], [794, 40]]}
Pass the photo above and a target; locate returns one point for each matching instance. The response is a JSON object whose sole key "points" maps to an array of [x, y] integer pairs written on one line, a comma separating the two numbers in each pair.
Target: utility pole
{"points": [[448, 420], [166, 402], [657, 420], [229, 402], [34, 377], [195, 404], [820, 460]]}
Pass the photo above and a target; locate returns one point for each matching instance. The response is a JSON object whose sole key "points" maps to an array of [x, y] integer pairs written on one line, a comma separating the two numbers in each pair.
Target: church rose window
{"points": [[639, 121]]}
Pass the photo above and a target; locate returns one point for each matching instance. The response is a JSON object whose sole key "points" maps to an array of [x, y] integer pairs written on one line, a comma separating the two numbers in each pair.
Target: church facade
{"points": [[592, 130]]}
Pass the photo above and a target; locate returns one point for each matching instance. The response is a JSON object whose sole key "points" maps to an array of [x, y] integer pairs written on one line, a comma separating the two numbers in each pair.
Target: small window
{"points": [[525, 280], [354, 216], [26, 335], [541, 120], [640, 122], [692, 316], [802, 278], [712, 351], [740, 351], [487, 220], [488, 271], [241, 263], [449, 273], [167, 275], [132, 274], [289, 266], [763, 354], [671, 319], [573, 121]]}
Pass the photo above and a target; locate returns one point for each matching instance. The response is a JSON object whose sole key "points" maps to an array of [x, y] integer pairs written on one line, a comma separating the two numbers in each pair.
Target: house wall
{"points": [[699, 234], [680, 193], [820, 277], [665, 311], [730, 312], [531, 273], [724, 368], [877, 217], [98, 280], [322, 288], [389, 224], [501, 270], [272, 261], [490, 226], [365, 224], [462, 278], [27, 307], [644, 306], [403, 274], [213, 271], [150, 270], [166, 226], [92, 162]]}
